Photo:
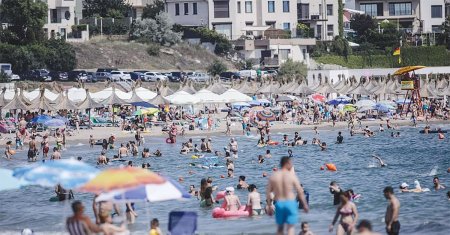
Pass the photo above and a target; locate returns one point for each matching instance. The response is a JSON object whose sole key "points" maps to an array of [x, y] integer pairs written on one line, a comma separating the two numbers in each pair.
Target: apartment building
{"points": [[411, 16], [137, 7], [447, 8], [321, 16], [235, 18]]}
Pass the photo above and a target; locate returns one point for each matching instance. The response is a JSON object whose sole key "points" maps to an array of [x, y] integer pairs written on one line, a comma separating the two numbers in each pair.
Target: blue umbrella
{"points": [[55, 123], [65, 120], [383, 108], [338, 102], [41, 119], [170, 190], [401, 101], [144, 104], [9, 182], [70, 173]]}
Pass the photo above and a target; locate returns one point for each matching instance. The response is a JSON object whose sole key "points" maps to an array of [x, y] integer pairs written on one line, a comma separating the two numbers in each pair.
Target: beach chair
{"points": [[182, 222]]}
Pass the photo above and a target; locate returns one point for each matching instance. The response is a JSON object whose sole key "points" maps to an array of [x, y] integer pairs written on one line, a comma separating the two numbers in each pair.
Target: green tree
{"points": [[151, 10], [61, 56], [217, 67], [341, 47], [158, 30], [363, 26], [106, 8], [26, 20], [291, 67], [341, 18]]}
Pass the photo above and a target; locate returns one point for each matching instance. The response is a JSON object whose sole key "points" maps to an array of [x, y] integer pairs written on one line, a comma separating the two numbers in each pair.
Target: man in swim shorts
{"points": [[392, 212], [123, 151], [282, 183]]}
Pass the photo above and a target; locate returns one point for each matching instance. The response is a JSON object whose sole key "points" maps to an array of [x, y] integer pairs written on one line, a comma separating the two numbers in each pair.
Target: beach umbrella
{"points": [[70, 173], [120, 179], [207, 96], [182, 98], [259, 102], [169, 190], [408, 69], [266, 115], [150, 111], [383, 108], [41, 119], [9, 181], [318, 98], [340, 100], [144, 104], [232, 95], [284, 99], [403, 101], [55, 123], [349, 108], [159, 100]]}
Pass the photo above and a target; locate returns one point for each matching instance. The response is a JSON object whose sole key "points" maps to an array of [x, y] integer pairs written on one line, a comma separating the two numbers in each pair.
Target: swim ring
{"points": [[272, 143], [219, 212], [169, 141]]}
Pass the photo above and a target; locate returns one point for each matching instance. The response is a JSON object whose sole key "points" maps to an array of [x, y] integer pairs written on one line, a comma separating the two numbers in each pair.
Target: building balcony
{"points": [[271, 62]]}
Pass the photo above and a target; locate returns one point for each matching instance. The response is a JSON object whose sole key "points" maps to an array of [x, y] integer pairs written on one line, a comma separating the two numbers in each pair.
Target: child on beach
{"points": [[154, 225], [8, 150], [91, 141]]}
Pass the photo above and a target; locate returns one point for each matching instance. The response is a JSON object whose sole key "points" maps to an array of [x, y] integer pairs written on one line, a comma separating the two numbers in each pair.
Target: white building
{"points": [[60, 17], [413, 16], [137, 7], [321, 16], [233, 18]]}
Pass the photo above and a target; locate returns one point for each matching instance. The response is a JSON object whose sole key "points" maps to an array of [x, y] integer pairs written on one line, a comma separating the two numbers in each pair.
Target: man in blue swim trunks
{"points": [[282, 183]]}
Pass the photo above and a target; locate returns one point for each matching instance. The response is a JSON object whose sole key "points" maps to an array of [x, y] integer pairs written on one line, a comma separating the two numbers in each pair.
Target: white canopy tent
{"points": [[232, 95], [76, 94], [144, 93], [182, 98], [208, 97]]}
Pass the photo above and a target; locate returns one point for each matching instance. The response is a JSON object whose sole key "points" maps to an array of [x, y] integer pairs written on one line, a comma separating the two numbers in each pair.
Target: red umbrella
{"points": [[318, 98]]}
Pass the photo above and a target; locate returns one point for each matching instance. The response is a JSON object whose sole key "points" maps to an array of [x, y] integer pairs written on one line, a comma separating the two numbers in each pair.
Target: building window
{"points": [[238, 7], [287, 26], [372, 9], [400, 9], [319, 31], [303, 11], [436, 28], [320, 9], [221, 9], [248, 7], [271, 6], [194, 8], [285, 6], [330, 30], [436, 11], [177, 9], [186, 8], [271, 24], [329, 9]]}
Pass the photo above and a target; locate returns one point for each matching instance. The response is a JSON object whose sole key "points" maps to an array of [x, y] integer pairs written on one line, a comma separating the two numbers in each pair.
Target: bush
{"points": [[290, 68], [158, 30], [222, 47], [153, 49], [217, 67]]}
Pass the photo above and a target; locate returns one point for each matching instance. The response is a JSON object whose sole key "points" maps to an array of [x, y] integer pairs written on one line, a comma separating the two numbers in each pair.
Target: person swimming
{"points": [[382, 164]]}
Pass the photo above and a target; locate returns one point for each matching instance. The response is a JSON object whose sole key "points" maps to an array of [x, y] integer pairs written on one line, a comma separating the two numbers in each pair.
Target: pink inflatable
{"points": [[219, 212], [220, 195]]}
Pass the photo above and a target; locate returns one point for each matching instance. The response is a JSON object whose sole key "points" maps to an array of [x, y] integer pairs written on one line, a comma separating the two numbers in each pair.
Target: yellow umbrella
{"points": [[121, 178], [408, 69], [151, 111]]}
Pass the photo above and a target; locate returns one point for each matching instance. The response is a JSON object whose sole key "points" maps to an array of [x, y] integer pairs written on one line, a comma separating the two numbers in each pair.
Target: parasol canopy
{"points": [[318, 98], [408, 69], [266, 115], [9, 182]]}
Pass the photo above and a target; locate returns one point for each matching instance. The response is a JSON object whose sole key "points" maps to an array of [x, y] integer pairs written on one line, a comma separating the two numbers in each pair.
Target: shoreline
{"points": [[125, 136]]}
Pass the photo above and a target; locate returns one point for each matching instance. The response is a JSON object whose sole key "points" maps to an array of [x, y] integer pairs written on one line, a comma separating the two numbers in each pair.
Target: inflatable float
{"points": [[432, 131], [261, 145], [169, 141], [273, 143], [330, 167], [219, 212]]}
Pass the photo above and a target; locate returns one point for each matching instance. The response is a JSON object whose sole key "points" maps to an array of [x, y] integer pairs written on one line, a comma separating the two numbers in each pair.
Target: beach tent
{"points": [[182, 98], [326, 88], [359, 90], [208, 97], [247, 88], [188, 89], [65, 103], [16, 103], [271, 88], [76, 94], [232, 95], [165, 91], [301, 89], [158, 100], [217, 88], [89, 103], [144, 93]]}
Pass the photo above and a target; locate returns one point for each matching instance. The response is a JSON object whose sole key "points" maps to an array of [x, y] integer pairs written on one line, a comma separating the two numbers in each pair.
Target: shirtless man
{"points": [[32, 150], [382, 164], [254, 200], [392, 212], [45, 147], [233, 146], [123, 151], [101, 160], [56, 155], [282, 183], [80, 223]]}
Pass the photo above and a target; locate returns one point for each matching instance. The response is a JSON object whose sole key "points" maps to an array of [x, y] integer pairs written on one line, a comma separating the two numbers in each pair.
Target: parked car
{"points": [[14, 77], [106, 70], [248, 74], [59, 76], [37, 75], [141, 71], [177, 76], [91, 77], [154, 77], [102, 76], [229, 75], [272, 73], [78, 75], [199, 77], [120, 76], [137, 75]]}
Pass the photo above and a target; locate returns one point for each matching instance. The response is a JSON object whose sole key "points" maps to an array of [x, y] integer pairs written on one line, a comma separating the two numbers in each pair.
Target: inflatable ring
{"points": [[12, 151], [219, 212], [273, 143]]}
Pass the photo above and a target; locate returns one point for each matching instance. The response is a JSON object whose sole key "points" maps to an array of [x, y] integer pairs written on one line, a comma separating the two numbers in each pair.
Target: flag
{"points": [[397, 51]]}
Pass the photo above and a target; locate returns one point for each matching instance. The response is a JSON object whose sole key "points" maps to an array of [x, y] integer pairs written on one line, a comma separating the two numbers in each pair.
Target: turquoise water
{"points": [[412, 156]]}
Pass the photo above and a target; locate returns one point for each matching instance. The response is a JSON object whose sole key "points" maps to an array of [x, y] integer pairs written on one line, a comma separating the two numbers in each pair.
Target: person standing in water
{"points": [[392, 212], [254, 200], [348, 213], [282, 183]]}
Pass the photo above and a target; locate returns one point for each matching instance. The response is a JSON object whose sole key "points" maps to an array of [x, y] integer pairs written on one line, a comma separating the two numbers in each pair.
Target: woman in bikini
{"points": [[349, 216]]}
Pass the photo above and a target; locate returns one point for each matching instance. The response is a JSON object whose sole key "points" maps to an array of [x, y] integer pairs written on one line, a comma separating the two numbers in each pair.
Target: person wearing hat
{"points": [[254, 200], [232, 202], [404, 188]]}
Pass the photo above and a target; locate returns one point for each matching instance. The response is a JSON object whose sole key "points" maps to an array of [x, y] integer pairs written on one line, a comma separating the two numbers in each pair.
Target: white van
{"points": [[248, 74]]}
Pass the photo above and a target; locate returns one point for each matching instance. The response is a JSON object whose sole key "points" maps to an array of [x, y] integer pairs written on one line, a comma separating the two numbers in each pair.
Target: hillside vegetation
{"points": [[132, 55]]}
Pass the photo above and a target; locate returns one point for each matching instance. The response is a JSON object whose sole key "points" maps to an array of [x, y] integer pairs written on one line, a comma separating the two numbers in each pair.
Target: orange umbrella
{"points": [[121, 178]]}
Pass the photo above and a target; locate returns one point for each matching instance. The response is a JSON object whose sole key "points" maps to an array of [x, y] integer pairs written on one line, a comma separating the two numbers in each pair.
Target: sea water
{"points": [[411, 156]]}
